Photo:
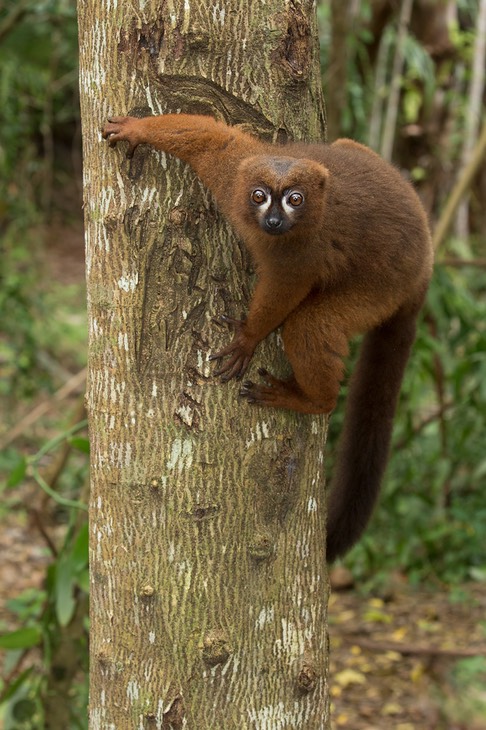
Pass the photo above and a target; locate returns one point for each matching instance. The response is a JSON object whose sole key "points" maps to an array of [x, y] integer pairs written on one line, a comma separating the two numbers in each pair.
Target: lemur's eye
{"points": [[296, 199], [258, 197]]}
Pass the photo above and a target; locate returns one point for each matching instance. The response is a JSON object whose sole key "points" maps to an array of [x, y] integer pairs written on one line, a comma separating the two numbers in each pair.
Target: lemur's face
{"points": [[280, 191], [277, 211]]}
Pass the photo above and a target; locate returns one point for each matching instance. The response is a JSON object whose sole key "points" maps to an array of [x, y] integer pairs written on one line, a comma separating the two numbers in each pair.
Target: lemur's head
{"points": [[281, 192]]}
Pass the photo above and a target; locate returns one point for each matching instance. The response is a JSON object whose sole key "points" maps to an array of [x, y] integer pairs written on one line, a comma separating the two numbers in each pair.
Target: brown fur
{"points": [[357, 257]]}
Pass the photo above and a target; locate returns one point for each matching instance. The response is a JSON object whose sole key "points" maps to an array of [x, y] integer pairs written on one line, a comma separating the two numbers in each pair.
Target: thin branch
{"points": [[8, 679], [52, 473], [40, 410], [413, 649], [63, 501], [36, 518], [396, 82], [462, 185], [440, 389], [379, 91], [14, 17], [450, 261], [434, 416], [473, 114]]}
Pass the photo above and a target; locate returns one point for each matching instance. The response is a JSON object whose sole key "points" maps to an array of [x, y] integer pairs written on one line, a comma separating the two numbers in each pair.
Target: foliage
{"points": [[20, 303], [53, 634], [366, 85], [430, 520], [37, 101], [469, 680], [47, 618], [38, 115]]}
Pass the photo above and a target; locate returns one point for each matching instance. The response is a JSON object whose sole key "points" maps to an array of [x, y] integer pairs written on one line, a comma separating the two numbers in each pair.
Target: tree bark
{"points": [[207, 517]]}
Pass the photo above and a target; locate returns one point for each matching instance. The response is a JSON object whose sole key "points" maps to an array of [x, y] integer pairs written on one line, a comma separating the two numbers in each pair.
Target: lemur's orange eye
{"points": [[258, 197], [296, 199]]}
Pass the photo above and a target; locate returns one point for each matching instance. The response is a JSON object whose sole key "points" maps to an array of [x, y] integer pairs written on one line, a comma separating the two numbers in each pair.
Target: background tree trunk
{"points": [[209, 584], [337, 71]]}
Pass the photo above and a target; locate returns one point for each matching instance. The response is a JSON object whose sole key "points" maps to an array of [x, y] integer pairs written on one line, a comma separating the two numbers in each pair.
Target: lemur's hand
{"points": [[122, 129], [240, 351]]}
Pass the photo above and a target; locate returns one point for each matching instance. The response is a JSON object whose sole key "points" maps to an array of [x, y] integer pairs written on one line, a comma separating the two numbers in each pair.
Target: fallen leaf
{"points": [[349, 676]]}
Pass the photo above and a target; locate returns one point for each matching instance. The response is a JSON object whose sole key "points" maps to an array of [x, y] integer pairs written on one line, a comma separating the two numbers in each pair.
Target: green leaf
{"points": [[64, 591], [79, 553], [81, 444], [69, 568], [18, 472], [21, 639], [24, 710], [12, 688], [83, 580]]}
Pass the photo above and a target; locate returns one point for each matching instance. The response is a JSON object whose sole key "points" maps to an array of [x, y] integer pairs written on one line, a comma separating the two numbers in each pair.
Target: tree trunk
{"points": [[209, 583]]}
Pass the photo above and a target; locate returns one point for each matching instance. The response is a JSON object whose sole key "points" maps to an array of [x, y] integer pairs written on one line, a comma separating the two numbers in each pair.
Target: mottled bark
{"points": [[209, 584]]}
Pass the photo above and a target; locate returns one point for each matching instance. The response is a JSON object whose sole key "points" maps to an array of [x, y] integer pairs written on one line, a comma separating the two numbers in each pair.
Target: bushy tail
{"points": [[365, 439]]}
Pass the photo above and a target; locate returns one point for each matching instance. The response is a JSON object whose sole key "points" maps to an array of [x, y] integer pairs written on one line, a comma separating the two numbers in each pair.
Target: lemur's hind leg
{"points": [[317, 366]]}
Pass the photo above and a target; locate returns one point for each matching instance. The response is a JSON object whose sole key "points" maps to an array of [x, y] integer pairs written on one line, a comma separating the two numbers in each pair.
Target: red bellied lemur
{"points": [[341, 246]]}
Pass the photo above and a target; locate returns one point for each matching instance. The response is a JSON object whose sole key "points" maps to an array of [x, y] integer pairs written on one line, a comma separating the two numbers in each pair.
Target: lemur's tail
{"points": [[365, 440]]}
